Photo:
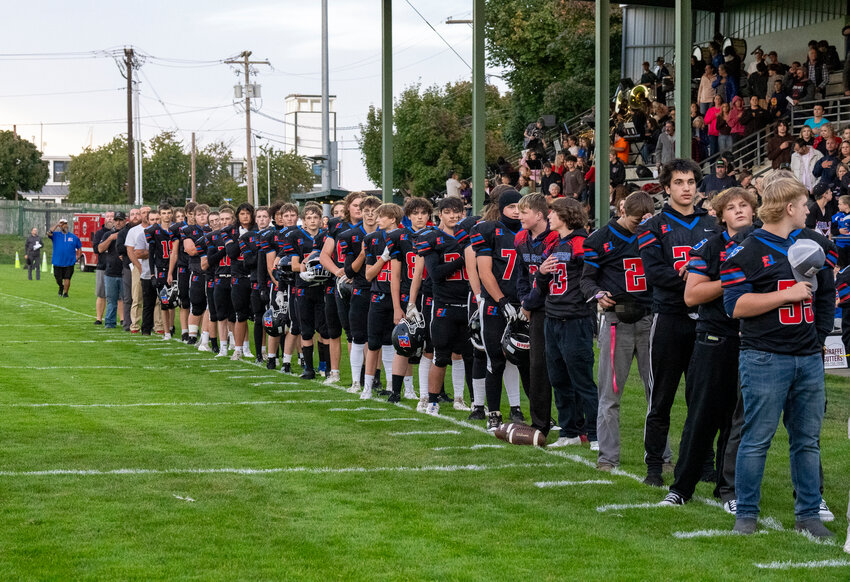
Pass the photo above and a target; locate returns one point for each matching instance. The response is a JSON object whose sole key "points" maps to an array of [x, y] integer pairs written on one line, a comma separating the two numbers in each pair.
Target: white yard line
{"points": [[795, 565], [358, 409], [545, 484], [274, 470], [163, 404], [295, 390], [417, 432], [708, 533], [388, 420], [468, 448], [619, 506]]}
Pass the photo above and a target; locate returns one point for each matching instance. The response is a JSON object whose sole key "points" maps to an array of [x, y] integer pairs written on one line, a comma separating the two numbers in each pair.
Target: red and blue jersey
{"points": [[444, 259], [561, 286], [612, 263], [495, 240]]}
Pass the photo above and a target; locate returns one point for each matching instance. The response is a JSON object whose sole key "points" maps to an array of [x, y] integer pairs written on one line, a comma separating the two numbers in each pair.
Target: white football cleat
{"points": [[422, 405], [354, 388], [459, 404], [237, 355], [566, 442], [204, 348], [166, 336], [410, 394], [433, 409], [366, 394], [333, 378]]}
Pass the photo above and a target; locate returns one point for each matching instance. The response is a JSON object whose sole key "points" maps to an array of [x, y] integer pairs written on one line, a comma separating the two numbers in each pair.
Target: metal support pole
{"points": [[131, 164], [682, 52], [194, 187], [479, 170], [387, 100], [326, 146], [249, 165], [602, 145]]}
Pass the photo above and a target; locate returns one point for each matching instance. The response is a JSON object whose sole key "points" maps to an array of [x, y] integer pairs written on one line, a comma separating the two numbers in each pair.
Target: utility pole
{"points": [[248, 93], [131, 166], [326, 146], [194, 183]]}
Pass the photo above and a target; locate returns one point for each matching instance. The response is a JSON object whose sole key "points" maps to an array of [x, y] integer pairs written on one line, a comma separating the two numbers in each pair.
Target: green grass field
{"points": [[125, 457]]}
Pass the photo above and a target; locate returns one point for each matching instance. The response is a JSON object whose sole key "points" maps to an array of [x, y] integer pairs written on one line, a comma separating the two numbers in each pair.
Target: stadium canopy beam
{"points": [[682, 73], [603, 144], [479, 170], [387, 100]]}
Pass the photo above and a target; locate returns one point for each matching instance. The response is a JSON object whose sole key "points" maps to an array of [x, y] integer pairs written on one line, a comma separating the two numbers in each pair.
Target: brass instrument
{"points": [[638, 98]]}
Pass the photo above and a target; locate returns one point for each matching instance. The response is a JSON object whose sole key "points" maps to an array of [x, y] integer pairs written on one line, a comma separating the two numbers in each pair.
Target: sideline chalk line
{"points": [[86, 315], [418, 432], [145, 404], [544, 484], [793, 565]]}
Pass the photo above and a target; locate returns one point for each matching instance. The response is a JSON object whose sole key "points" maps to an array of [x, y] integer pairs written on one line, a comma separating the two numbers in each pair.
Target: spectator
{"points": [[758, 83], [827, 134], [522, 186], [109, 253], [780, 146], [585, 148], [773, 59], [845, 135], [32, 252], [829, 54], [718, 181], [100, 270], [725, 85], [759, 59], [620, 147], [716, 56], [816, 71], [660, 73], [697, 67], [647, 77], [700, 143], [825, 167], [802, 89], [820, 217], [558, 165], [778, 102], [549, 177], [618, 169], [803, 162], [773, 75], [466, 192], [137, 252], [841, 184], [711, 121], [504, 166], [665, 151], [572, 145], [724, 128], [732, 62], [844, 152], [754, 118], [841, 222], [66, 253], [817, 119], [126, 274], [553, 193], [453, 184], [573, 178], [535, 136], [734, 118]]}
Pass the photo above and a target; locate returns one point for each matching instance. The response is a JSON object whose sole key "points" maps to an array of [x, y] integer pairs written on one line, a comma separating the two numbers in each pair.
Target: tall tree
{"points": [[213, 172], [547, 47], [21, 166], [99, 175], [167, 171], [290, 173], [433, 136]]}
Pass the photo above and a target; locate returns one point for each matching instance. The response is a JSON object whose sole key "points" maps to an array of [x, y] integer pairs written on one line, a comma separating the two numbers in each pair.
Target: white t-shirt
{"points": [[136, 239], [452, 187]]}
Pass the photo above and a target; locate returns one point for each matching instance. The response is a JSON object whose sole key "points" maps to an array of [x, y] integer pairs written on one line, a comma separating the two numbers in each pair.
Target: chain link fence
{"points": [[18, 218]]}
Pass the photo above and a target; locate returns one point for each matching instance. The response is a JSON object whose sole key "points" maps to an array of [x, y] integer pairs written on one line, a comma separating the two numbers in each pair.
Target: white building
{"points": [[56, 188], [304, 129]]}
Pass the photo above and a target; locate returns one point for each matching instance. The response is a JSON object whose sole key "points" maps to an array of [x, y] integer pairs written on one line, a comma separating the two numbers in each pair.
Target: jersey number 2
{"points": [[635, 279], [460, 274]]}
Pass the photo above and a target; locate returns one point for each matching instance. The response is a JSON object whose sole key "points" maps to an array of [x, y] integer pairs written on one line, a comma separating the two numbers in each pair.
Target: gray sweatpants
{"points": [[630, 340], [127, 296]]}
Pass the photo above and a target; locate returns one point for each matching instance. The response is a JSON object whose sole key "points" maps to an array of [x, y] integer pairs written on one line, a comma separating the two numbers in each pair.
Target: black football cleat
{"points": [[286, 368], [192, 340], [308, 374], [443, 397], [477, 413], [516, 414], [394, 397]]}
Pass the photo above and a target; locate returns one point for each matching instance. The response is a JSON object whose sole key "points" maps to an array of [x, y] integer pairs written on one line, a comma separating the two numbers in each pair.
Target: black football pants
{"points": [[539, 387]]}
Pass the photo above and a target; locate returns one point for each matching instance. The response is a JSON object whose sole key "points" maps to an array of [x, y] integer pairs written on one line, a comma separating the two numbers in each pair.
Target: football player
{"points": [[336, 306], [712, 376], [240, 276], [285, 222], [779, 282], [530, 244], [179, 266], [191, 235], [350, 245], [310, 294], [209, 337], [665, 241], [614, 277], [570, 324], [217, 257], [255, 260], [493, 241], [159, 251]]}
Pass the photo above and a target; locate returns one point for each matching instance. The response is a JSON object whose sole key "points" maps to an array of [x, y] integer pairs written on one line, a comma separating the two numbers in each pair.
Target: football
{"points": [[521, 434]]}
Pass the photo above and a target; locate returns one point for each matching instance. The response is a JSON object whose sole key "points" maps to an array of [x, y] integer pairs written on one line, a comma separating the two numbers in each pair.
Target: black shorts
{"points": [[223, 304], [211, 298], [259, 301], [492, 329], [449, 331], [424, 304], [197, 291], [61, 273], [240, 297], [380, 321], [183, 287], [311, 311], [343, 306], [294, 313], [332, 323], [358, 316]]}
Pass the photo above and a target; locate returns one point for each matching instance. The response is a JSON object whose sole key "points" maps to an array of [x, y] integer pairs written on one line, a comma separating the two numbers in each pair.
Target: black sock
{"points": [[467, 363], [258, 335], [398, 382], [377, 377], [214, 344], [433, 398], [325, 355], [308, 357], [363, 374]]}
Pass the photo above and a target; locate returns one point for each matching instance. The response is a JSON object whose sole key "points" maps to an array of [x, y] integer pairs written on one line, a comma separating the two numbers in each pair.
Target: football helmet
{"points": [[409, 337], [169, 296], [475, 331], [345, 288], [516, 343], [315, 273], [274, 321]]}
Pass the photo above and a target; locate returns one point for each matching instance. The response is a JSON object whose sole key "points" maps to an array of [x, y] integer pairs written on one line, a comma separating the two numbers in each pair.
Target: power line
{"points": [[409, 3], [61, 93]]}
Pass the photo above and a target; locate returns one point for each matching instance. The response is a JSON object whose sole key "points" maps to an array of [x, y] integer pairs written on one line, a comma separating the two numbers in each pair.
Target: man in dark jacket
{"points": [[108, 252], [32, 252]]}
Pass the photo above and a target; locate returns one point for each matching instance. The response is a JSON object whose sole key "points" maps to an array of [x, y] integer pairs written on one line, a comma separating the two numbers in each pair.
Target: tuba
{"points": [[640, 97]]}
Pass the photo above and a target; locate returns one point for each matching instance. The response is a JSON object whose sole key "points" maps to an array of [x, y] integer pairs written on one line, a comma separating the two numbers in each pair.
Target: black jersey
{"points": [[529, 256], [760, 265], [282, 247], [301, 245], [375, 243], [495, 240], [159, 248], [467, 223], [427, 287], [443, 254], [231, 236], [196, 234], [612, 263], [402, 249], [336, 226], [665, 241], [349, 244], [842, 288], [174, 231], [249, 248], [564, 299], [706, 259], [265, 245], [218, 260]]}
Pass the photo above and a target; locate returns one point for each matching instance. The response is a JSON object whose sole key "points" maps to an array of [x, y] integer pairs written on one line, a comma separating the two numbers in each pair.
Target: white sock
{"points": [[369, 381], [479, 392], [237, 350], [193, 330], [287, 358], [511, 378], [408, 382], [230, 339], [205, 338], [458, 377], [424, 369], [387, 355], [264, 352], [246, 346], [356, 360]]}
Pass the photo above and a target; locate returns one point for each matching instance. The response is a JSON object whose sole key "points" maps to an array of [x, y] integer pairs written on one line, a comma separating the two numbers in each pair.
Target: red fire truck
{"points": [[85, 225]]}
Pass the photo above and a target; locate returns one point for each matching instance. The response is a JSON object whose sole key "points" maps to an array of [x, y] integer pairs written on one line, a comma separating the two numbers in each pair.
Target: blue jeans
{"points": [[569, 359], [113, 294], [773, 384]]}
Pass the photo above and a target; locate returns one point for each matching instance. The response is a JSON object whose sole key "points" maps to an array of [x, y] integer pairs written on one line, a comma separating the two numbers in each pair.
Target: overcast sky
{"points": [[82, 101]]}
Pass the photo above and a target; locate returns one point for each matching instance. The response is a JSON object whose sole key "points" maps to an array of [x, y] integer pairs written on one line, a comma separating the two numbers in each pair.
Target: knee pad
{"points": [[442, 360]]}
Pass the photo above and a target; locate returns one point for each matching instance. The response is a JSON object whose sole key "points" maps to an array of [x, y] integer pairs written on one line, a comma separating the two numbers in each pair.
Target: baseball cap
{"points": [[61, 220], [119, 215], [720, 163], [819, 190], [807, 258]]}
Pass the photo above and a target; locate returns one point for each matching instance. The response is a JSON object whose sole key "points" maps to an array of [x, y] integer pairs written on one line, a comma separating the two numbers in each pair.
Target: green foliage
{"points": [[290, 173], [547, 47], [432, 136], [166, 175], [99, 175], [215, 181], [21, 166]]}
